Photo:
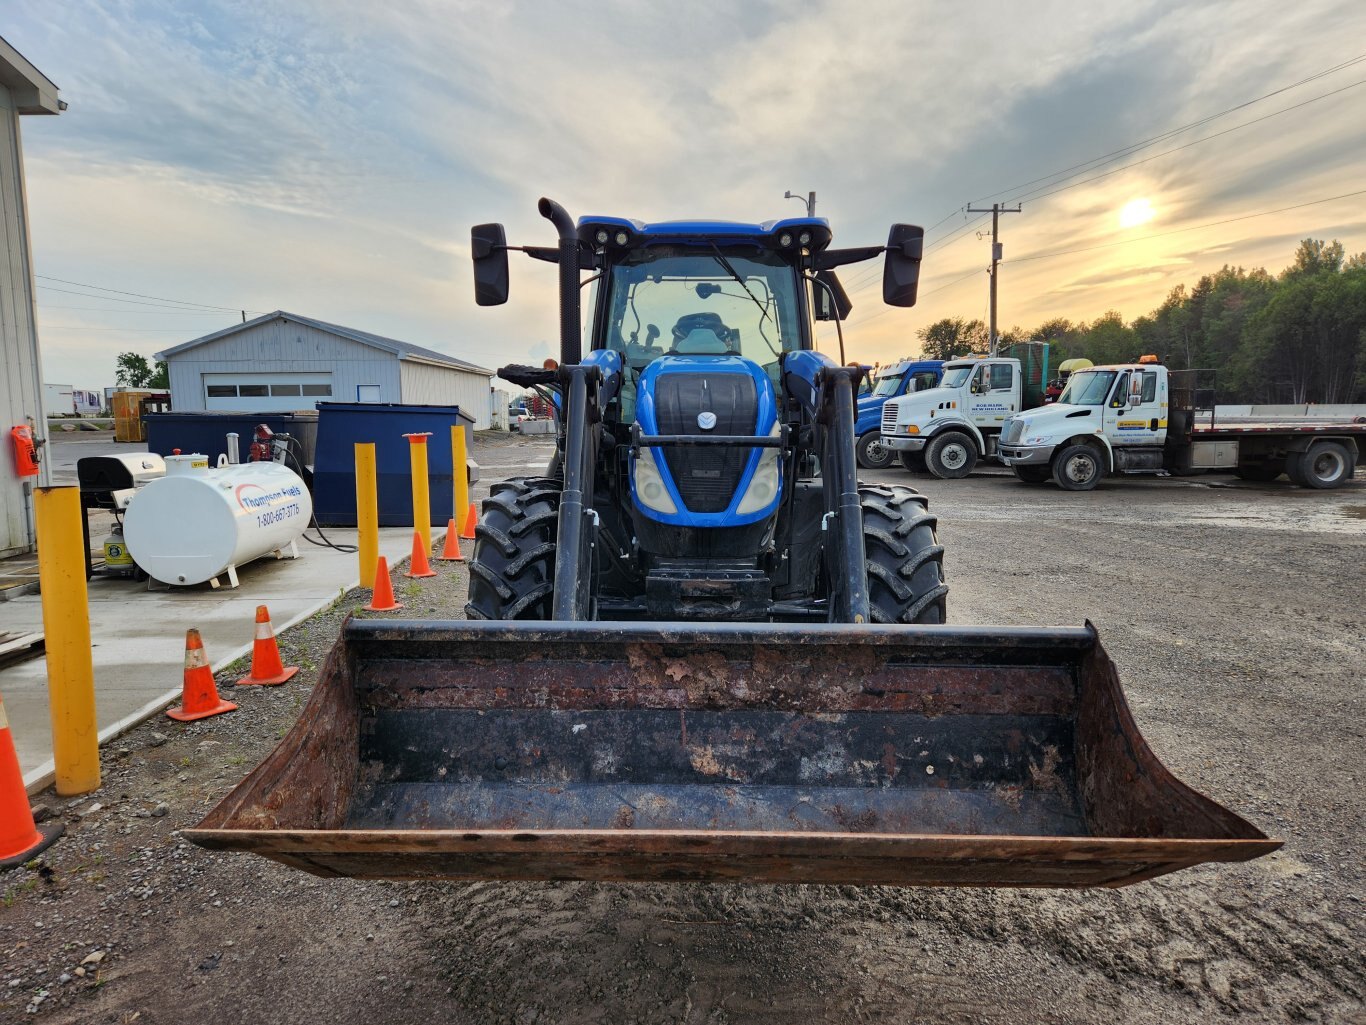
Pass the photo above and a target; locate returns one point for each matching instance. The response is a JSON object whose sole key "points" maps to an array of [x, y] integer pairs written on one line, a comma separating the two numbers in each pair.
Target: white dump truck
{"points": [[1143, 418]]}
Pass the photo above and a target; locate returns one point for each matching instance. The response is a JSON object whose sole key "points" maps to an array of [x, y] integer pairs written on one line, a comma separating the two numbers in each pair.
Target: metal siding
{"points": [[443, 386], [19, 397], [284, 347]]}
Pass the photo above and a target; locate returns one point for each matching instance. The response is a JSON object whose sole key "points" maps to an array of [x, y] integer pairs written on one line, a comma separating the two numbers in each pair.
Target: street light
{"points": [[809, 200]]}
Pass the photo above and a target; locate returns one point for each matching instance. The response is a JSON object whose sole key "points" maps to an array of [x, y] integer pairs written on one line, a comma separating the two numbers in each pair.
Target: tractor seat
{"points": [[701, 334]]}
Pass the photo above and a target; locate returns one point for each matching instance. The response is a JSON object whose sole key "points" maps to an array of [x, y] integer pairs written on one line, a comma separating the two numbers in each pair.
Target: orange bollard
{"points": [[266, 668], [199, 699], [20, 839], [418, 566], [450, 551], [382, 600], [471, 518]]}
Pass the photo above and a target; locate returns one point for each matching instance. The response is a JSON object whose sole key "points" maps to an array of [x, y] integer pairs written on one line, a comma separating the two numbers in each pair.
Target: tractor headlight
{"points": [[622, 238], [766, 482], [785, 239], [651, 490], [601, 236], [804, 238]]}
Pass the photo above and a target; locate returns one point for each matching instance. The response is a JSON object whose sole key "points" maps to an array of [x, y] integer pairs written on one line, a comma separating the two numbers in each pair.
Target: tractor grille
{"points": [[1011, 434], [889, 419], [706, 477]]}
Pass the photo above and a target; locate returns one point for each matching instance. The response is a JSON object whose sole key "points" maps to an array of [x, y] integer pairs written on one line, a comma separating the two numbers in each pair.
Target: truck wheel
{"points": [[1031, 474], [913, 461], [1326, 465], [905, 559], [872, 453], [1261, 473], [512, 570], [1078, 468], [951, 455]]}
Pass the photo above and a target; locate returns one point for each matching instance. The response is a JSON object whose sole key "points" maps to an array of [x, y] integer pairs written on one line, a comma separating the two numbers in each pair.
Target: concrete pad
{"points": [[138, 636]]}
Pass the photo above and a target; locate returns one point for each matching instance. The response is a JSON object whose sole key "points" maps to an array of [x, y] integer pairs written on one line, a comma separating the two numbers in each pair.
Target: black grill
{"points": [[706, 477]]}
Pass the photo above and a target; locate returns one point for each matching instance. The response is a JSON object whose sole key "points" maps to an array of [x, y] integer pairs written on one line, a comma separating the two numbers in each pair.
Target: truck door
{"points": [[993, 395], [1136, 413]]}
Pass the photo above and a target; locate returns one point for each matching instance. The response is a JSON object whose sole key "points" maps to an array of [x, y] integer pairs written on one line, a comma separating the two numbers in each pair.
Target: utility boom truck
{"points": [[787, 706], [947, 429], [1143, 418]]}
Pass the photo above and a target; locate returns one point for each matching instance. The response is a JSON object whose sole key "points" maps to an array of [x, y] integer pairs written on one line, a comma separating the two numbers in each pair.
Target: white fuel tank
{"points": [[198, 522]]}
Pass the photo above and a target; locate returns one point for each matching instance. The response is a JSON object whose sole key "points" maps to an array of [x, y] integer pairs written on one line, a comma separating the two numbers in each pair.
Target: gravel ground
{"points": [[1233, 611]]}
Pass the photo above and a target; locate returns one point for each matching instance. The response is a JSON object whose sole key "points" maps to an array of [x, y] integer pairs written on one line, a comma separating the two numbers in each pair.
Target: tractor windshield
{"points": [[702, 300]]}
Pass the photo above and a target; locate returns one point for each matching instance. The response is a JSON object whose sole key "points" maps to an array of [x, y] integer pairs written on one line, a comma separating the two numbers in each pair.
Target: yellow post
{"points": [[367, 512], [462, 481], [422, 501], [66, 628]]}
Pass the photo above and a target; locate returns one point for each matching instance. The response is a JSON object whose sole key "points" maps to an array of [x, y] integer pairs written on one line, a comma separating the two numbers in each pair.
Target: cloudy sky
{"points": [[329, 156]]}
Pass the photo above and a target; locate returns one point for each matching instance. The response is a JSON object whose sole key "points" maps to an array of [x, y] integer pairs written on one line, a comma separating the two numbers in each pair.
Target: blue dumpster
{"points": [[342, 424], [207, 432]]}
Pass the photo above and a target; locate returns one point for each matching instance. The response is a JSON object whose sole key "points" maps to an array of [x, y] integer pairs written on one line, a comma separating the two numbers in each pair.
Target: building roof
{"points": [[403, 350], [33, 92]]}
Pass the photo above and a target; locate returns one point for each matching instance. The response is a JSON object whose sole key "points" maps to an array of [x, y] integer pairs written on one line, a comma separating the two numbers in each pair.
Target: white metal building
{"points": [[283, 362], [23, 90]]}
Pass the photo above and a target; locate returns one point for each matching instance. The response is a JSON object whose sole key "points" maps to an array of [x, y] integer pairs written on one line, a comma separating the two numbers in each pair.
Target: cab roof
{"points": [[764, 232]]}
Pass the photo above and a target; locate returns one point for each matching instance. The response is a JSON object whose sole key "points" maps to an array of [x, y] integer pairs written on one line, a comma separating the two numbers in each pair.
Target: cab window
{"points": [[1000, 376], [1149, 386], [924, 380], [1120, 395]]}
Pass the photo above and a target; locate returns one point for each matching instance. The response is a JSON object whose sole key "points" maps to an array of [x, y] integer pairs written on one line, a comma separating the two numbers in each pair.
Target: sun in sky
{"points": [[1136, 212]]}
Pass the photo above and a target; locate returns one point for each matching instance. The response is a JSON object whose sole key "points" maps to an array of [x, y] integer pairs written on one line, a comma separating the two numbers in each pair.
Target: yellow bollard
{"points": [[66, 626], [422, 501], [367, 512], [462, 481]]}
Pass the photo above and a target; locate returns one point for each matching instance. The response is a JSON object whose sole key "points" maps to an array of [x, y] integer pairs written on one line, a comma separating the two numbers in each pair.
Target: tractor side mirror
{"points": [[901, 269], [488, 248]]}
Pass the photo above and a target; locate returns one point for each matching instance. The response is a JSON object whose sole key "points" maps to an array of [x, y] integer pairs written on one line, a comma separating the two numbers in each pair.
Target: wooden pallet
{"points": [[20, 647]]}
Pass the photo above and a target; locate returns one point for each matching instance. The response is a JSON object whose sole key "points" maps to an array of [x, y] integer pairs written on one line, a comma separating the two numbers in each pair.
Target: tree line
{"points": [[1296, 337]]}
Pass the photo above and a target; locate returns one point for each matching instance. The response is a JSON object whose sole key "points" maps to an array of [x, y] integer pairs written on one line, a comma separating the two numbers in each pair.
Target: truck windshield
{"points": [[1087, 388], [685, 300], [889, 384], [955, 377]]}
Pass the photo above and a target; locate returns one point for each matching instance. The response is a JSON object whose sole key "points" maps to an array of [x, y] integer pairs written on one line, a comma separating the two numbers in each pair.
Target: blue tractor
{"points": [[705, 461]]}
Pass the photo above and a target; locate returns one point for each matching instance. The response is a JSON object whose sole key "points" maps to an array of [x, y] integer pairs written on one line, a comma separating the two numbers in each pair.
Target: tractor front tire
{"points": [[905, 560], [512, 570]]}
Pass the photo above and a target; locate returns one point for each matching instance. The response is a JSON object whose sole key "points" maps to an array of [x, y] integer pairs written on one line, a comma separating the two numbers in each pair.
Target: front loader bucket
{"points": [[731, 752]]}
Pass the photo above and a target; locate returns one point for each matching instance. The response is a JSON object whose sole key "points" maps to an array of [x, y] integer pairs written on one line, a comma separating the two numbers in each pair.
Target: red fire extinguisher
{"points": [[25, 451]]}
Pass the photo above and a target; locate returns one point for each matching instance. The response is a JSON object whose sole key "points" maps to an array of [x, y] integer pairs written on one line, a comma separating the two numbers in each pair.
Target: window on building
{"points": [[284, 389], [367, 393], [222, 391], [253, 391], [322, 390]]}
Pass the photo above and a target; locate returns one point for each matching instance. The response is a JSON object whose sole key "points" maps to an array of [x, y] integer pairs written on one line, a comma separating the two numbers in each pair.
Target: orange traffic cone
{"points": [[382, 599], [20, 839], [266, 668], [471, 518], [200, 699], [450, 551], [418, 566]]}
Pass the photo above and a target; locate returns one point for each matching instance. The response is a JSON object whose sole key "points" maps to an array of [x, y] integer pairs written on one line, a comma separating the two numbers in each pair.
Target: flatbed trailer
{"points": [[1143, 418]]}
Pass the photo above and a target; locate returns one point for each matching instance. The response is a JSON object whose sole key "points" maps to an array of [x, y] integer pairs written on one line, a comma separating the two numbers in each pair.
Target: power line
{"points": [[1135, 147], [116, 291], [1186, 145], [136, 313], [1193, 227]]}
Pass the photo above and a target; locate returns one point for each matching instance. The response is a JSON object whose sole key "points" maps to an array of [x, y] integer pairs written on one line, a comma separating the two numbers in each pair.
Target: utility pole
{"points": [[810, 201], [996, 210]]}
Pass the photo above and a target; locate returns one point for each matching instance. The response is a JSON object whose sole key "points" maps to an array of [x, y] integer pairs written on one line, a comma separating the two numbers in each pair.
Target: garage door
{"points": [[263, 393]]}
